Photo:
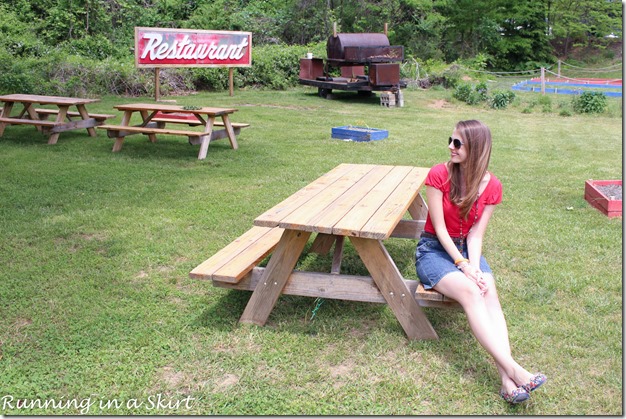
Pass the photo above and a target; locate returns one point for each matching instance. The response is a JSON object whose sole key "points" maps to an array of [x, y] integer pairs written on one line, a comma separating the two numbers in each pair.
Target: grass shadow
{"points": [[223, 313], [168, 148], [348, 97], [28, 135]]}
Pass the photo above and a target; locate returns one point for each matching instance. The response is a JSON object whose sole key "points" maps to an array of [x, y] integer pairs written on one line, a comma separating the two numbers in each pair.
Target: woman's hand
{"points": [[476, 275]]}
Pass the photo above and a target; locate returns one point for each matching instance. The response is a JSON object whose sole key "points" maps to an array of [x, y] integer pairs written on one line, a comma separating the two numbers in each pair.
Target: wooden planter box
{"points": [[597, 199]]}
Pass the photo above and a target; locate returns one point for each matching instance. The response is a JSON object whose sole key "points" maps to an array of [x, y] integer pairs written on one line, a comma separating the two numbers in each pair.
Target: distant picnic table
{"points": [[64, 120], [156, 117]]}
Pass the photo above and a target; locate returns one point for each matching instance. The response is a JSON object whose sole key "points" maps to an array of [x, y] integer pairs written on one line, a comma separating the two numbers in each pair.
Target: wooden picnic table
{"points": [[154, 117], [30, 115], [367, 204]]}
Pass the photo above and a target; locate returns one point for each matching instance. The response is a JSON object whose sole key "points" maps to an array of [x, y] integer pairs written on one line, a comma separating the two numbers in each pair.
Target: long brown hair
{"points": [[465, 181]]}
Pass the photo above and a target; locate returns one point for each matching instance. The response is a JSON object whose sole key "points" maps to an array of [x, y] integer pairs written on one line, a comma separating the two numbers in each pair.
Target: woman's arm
{"points": [[435, 210], [475, 246], [475, 236]]}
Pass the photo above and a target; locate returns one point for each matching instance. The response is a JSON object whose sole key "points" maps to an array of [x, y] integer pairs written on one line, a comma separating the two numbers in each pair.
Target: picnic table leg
{"points": [[322, 244], [146, 118], [85, 115], [274, 277], [231, 133], [6, 113], [391, 285], [59, 120], [418, 208], [28, 109], [120, 140], [206, 138]]}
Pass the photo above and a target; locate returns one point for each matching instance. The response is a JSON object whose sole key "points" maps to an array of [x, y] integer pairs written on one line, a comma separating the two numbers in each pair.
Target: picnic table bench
{"points": [[38, 117], [43, 114], [162, 118], [365, 203], [154, 118]]}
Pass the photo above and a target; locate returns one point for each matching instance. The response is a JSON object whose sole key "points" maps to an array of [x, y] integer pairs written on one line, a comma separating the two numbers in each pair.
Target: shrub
{"points": [[439, 73], [462, 92], [590, 102], [274, 66], [481, 91], [471, 94], [502, 98], [544, 100]]}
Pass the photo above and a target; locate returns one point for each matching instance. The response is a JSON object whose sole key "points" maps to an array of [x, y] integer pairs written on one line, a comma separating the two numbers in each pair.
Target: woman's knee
{"points": [[490, 280], [460, 288]]}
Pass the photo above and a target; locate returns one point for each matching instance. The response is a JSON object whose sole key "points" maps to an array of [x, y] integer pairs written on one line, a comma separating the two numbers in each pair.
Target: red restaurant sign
{"points": [[156, 47]]}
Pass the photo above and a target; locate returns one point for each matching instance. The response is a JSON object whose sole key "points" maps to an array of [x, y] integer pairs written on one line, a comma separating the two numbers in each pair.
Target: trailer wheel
{"points": [[323, 92]]}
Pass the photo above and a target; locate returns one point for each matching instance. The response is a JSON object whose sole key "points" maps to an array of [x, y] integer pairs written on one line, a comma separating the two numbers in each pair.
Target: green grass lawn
{"points": [[98, 314]]}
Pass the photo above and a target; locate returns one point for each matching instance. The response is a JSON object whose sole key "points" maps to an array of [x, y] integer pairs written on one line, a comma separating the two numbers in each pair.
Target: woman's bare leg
{"points": [[488, 325]]}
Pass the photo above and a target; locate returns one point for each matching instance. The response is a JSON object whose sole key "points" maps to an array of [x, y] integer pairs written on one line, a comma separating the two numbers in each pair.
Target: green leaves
{"points": [[590, 102]]}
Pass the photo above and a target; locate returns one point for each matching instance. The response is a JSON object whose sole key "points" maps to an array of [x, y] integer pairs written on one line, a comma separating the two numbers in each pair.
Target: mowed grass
{"points": [[98, 314]]}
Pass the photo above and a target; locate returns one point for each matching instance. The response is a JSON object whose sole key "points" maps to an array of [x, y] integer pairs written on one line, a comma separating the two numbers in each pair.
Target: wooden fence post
{"points": [[230, 80], [157, 84]]}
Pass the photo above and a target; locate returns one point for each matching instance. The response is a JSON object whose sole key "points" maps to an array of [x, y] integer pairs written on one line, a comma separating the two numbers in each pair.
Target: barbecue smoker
{"points": [[366, 60]]}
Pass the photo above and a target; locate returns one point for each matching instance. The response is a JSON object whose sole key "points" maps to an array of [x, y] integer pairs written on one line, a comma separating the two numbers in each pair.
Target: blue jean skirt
{"points": [[432, 262]]}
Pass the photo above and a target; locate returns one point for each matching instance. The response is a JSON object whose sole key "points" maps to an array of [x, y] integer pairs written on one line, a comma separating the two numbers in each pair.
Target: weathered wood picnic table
{"points": [[37, 117], [155, 116], [367, 204]]}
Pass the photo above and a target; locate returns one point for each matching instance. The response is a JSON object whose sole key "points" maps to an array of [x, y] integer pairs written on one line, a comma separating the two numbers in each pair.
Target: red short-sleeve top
{"points": [[438, 178]]}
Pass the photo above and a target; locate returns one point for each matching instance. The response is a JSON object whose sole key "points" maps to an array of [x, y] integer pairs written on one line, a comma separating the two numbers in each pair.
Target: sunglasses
{"points": [[457, 143]]}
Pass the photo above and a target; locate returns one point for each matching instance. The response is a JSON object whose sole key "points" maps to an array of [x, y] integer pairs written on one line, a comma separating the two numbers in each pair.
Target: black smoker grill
{"points": [[366, 60]]}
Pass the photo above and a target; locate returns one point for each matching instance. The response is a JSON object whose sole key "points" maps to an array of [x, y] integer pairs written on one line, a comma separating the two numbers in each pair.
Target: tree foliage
{"points": [[509, 34]]}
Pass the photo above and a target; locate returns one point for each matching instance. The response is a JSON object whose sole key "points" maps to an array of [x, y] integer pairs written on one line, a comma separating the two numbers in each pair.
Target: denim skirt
{"points": [[432, 262]]}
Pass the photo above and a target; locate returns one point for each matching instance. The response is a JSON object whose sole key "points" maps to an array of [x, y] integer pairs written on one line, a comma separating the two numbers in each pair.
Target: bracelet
{"points": [[459, 261], [462, 265]]}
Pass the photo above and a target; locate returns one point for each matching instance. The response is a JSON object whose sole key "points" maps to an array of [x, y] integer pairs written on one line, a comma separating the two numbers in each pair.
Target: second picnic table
{"points": [[155, 116]]}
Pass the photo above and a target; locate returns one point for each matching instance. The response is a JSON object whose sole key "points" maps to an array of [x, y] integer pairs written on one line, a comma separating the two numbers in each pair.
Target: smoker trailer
{"points": [[366, 60]]}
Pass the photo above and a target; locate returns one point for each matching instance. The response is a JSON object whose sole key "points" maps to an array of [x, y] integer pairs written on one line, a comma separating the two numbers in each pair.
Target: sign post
{"points": [[158, 48]]}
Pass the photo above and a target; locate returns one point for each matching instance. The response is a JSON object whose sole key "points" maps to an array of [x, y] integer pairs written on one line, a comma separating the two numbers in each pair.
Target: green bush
{"points": [[502, 98], [471, 94], [449, 76], [544, 100], [482, 91], [273, 67], [30, 75], [590, 102], [462, 92]]}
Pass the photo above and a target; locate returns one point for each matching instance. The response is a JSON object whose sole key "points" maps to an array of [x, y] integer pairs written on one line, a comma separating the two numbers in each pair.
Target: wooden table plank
{"points": [[396, 206], [353, 221], [340, 196], [47, 100], [206, 269], [174, 108], [325, 220], [273, 216], [340, 287]]}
